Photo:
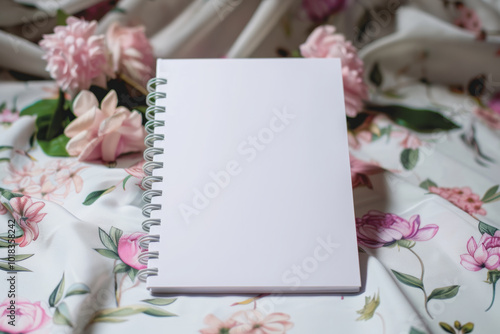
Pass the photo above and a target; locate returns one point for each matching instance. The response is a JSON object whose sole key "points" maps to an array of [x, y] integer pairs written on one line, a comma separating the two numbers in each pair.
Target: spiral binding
{"points": [[149, 179]]}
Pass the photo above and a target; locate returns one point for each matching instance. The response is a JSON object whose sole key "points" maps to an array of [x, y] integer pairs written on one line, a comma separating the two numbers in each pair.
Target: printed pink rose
{"points": [[490, 117], [217, 326], [30, 318], [324, 43], [129, 250], [484, 254], [75, 56], [360, 171], [494, 103], [318, 10], [27, 215], [254, 322], [131, 52], [103, 133], [377, 229], [463, 198]]}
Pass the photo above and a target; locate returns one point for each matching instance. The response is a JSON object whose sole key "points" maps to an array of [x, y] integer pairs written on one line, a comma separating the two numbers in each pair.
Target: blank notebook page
{"points": [[256, 191]]}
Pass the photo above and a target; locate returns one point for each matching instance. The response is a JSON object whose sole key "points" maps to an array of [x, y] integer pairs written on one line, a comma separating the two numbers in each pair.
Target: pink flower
{"points": [[21, 175], [129, 250], [29, 317], [254, 322], [318, 10], [377, 229], [138, 172], [324, 43], [103, 133], [27, 215], [468, 20], [360, 171], [485, 254], [494, 103], [131, 52], [74, 54], [3, 209], [45, 189], [57, 165], [490, 117], [67, 177], [463, 198], [216, 325], [7, 116], [411, 141]]}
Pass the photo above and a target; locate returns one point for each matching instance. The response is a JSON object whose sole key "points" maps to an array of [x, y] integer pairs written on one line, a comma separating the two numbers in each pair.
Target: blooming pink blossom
{"points": [[131, 52], [137, 171], [490, 117], [21, 175], [468, 20], [27, 215], [463, 198], [67, 177], [318, 10], [43, 189], [7, 116], [494, 103], [57, 165], [254, 322], [377, 229], [324, 43], [485, 254], [360, 171], [129, 250], [217, 326], [103, 133], [75, 56], [31, 318]]}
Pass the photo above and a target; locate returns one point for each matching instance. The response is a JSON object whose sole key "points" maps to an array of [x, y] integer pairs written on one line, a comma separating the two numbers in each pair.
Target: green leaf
{"points": [[77, 289], [107, 253], [158, 312], [132, 274], [490, 193], [4, 159], [4, 148], [405, 243], [18, 258], [467, 328], [488, 229], [392, 94], [12, 267], [56, 126], [61, 17], [62, 316], [10, 195], [121, 268], [160, 301], [447, 328], [114, 320], [376, 75], [123, 311], [413, 330], [421, 120], [55, 147], [444, 293], [107, 241], [115, 234], [125, 181], [95, 195], [57, 294], [409, 158], [40, 108], [427, 183], [408, 280]]}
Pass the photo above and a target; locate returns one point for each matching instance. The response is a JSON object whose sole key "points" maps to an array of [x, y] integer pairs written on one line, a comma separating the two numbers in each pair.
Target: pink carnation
{"points": [[30, 318], [129, 250], [75, 56], [485, 254], [377, 229], [324, 43], [131, 52], [463, 198], [105, 132]]}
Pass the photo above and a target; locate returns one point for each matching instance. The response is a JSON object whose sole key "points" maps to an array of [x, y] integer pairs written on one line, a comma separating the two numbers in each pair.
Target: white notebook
{"points": [[255, 193]]}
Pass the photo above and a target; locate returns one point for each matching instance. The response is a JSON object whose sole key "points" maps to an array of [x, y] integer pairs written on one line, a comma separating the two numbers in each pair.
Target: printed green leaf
{"points": [[123, 311], [62, 316], [95, 195], [376, 75], [421, 120], [121, 268], [55, 147], [9, 195], [107, 253], [17, 258], [12, 267], [491, 195], [4, 159], [413, 330], [115, 234], [4, 148], [488, 229], [408, 280], [444, 293], [107, 241], [158, 312], [427, 183], [57, 294], [409, 158], [467, 328], [160, 301], [125, 181], [133, 273], [447, 328], [104, 319], [77, 289]]}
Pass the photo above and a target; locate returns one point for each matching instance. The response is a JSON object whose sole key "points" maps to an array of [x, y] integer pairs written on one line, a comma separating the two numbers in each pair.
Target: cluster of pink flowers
{"points": [[325, 43], [378, 229], [105, 132], [53, 182], [129, 250], [30, 317], [77, 58], [249, 322], [484, 254], [464, 198]]}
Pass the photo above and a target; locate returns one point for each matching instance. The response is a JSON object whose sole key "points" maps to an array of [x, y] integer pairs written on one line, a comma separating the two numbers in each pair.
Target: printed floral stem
{"points": [[383, 321], [422, 279], [132, 83], [493, 298], [421, 263], [119, 291]]}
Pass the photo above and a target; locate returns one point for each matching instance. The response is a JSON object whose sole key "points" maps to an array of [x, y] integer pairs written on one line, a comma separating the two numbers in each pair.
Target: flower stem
{"points": [[132, 83], [493, 298], [421, 263], [383, 321], [422, 280]]}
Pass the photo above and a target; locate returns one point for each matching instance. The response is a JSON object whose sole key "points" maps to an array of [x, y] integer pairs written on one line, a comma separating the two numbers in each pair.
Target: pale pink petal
{"points": [[481, 254], [82, 123], [109, 146], [426, 233], [83, 102], [78, 181], [78, 143], [493, 262], [113, 123], [469, 263], [471, 246], [108, 104]]}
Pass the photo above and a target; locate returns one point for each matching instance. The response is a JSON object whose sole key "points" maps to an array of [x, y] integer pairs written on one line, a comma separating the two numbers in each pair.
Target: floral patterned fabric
{"points": [[427, 202]]}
